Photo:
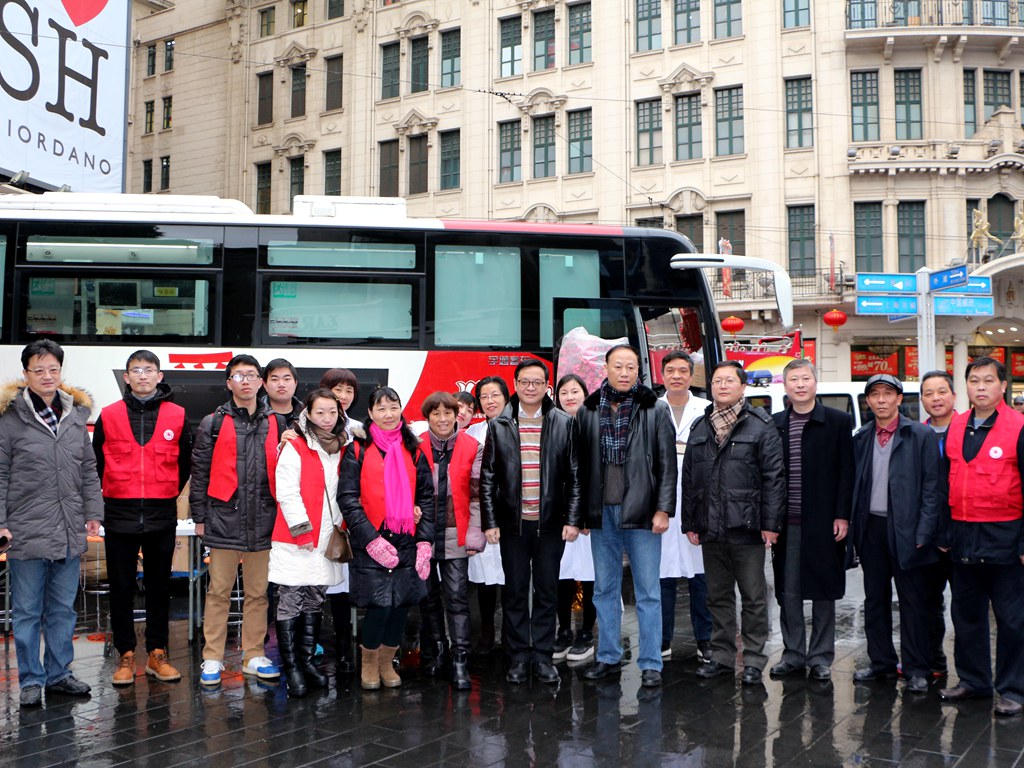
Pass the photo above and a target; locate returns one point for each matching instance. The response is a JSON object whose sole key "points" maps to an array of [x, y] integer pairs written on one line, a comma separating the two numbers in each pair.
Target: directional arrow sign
{"points": [[954, 277], [880, 282], [963, 306], [976, 286], [886, 305]]}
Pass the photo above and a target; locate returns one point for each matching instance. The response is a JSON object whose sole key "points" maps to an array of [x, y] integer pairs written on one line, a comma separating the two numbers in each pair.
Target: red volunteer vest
{"points": [[986, 489], [224, 463], [371, 482], [133, 471], [311, 488], [459, 470]]}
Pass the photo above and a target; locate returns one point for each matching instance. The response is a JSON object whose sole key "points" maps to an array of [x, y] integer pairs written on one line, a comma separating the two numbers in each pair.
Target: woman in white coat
{"points": [[680, 558], [307, 510]]}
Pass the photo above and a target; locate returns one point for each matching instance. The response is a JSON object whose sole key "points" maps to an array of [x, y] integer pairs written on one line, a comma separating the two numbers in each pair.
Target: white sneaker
{"points": [[211, 672], [261, 667]]}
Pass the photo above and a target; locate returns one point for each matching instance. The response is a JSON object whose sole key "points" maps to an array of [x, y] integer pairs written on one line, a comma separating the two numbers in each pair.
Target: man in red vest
{"points": [[232, 500], [985, 536], [143, 446]]}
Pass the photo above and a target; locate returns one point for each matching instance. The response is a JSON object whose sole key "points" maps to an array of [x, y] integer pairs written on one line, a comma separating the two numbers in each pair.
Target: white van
{"points": [[846, 396]]}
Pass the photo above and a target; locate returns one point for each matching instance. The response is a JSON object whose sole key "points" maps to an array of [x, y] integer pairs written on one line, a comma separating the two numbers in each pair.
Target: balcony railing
{"points": [[747, 285], [869, 14]]}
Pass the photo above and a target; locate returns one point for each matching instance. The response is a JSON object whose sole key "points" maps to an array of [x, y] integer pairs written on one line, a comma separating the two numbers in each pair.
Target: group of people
{"points": [[546, 492]]}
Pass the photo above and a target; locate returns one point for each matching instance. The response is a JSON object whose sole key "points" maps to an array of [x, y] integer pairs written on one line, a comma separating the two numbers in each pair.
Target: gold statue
{"points": [[981, 234]]}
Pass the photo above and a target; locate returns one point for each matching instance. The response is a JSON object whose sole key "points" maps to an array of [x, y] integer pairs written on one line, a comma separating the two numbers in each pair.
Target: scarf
{"points": [[397, 493], [615, 424], [50, 414], [328, 440], [722, 420]]}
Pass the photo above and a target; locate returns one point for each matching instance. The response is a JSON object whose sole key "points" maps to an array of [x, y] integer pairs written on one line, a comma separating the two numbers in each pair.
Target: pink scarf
{"points": [[397, 493]]}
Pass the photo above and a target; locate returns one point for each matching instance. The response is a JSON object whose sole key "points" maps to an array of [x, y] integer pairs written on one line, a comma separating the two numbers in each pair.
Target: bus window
{"points": [[74, 307], [673, 330], [477, 296], [291, 253], [842, 403], [568, 274], [118, 250], [340, 310]]}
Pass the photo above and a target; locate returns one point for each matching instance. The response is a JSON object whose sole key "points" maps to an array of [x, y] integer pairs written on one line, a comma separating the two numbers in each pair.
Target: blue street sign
{"points": [[899, 318], [886, 305], [953, 277], [976, 286], [880, 282], [963, 306]]}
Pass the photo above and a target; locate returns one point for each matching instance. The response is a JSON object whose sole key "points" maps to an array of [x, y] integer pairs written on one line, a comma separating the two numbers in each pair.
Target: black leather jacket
{"points": [[501, 476], [650, 472]]}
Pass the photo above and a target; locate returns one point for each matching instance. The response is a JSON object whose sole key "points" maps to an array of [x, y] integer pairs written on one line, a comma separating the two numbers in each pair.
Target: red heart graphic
{"points": [[83, 11]]}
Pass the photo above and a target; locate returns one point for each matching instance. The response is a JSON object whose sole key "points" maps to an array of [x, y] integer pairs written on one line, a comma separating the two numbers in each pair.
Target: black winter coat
{"points": [[501, 474], [144, 515], [734, 491], [915, 495], [373, 585], [826, 495], [650, 472], [246, 522]]}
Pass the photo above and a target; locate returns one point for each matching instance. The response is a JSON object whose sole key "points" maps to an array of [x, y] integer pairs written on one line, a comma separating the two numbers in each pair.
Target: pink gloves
{"points": [[385, 554], [423, 552]]}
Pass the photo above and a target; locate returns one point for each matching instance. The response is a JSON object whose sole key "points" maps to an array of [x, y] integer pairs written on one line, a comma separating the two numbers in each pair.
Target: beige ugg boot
{"points": [[388, 675], [370, 672]]}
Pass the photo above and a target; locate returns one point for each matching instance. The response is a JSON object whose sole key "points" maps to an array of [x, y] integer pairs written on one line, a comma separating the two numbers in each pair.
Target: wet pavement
{"points": [[614, 722]]}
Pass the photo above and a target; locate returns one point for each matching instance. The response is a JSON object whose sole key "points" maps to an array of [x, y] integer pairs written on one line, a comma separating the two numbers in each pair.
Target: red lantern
{"points": [[834, 318], [732, 324]]}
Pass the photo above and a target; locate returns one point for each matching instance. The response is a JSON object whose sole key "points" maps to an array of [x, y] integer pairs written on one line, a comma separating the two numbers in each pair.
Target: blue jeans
{"points": [[43, 596], [700, 616], [644, 550]]}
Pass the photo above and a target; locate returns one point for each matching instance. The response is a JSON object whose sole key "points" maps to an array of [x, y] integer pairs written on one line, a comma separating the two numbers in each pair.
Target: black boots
{"points": [[286, 645], [305, 649], [460, 670], [438, 663]]}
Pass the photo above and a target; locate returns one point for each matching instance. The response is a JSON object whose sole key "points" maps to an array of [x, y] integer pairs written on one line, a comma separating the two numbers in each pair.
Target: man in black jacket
{"points": [[627, 460], [734, 492], [529, 505], [143, 446], [808, 562]]}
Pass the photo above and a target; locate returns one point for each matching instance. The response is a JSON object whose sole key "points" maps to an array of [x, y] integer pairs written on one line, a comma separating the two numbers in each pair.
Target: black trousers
{"points": [[122, 551], [538, 555], [938, 574], [448, 596], [881, 569], [974, 587]]}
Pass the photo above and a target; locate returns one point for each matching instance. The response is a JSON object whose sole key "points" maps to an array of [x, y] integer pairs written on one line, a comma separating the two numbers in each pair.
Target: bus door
{"points": [[675, 329], [609, 319]]}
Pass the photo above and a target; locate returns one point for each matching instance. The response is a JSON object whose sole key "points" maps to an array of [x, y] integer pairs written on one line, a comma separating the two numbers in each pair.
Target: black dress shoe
{"points": [[599, 669], [518, 673], [751, 676], [1007, 707], [917, 684], [785, 669], [713, 669], [650, 678], [870, 673], [69, 686], [545, 672], [31, 696], [961, 692], [821, 672]]}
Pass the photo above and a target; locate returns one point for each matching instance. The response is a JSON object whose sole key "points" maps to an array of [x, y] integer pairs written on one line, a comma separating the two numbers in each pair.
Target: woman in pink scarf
{"points": [[386, 495]]}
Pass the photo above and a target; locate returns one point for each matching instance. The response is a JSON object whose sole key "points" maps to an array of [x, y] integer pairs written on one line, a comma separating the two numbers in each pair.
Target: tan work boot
{"points": [[370, 674], [160, 668], [125, 672], [388, 676]]}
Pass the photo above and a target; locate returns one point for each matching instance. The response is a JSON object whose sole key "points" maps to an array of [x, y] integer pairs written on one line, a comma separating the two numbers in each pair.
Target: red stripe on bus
{"points": [[534, 227]]}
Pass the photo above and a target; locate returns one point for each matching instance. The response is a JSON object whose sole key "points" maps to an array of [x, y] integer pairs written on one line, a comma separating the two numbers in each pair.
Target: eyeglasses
{"points": [[725, 382], [140, 371], [45, 371], [240, 377], [531, 383], [495, 396]]}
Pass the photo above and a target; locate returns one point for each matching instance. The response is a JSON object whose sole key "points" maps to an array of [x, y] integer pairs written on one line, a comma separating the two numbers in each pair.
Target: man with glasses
{"points": [[734, 495], [143, 447], [627, 461], [529, 505], [232, 500], [49, 499]]}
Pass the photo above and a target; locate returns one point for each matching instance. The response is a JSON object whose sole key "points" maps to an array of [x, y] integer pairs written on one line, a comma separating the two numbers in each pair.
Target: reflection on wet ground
{"points": [[611, 723]]}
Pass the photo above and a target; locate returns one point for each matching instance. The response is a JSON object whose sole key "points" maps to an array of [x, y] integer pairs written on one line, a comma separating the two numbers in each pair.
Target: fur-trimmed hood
{"points": [[10, 392]]}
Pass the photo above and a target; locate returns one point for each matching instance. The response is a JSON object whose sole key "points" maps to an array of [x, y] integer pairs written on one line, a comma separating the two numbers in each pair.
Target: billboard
{"points": [[63, 81]]}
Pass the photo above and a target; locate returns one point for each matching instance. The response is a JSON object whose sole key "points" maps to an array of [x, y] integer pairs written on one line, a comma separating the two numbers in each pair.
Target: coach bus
{"points": [[419, 304]]}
